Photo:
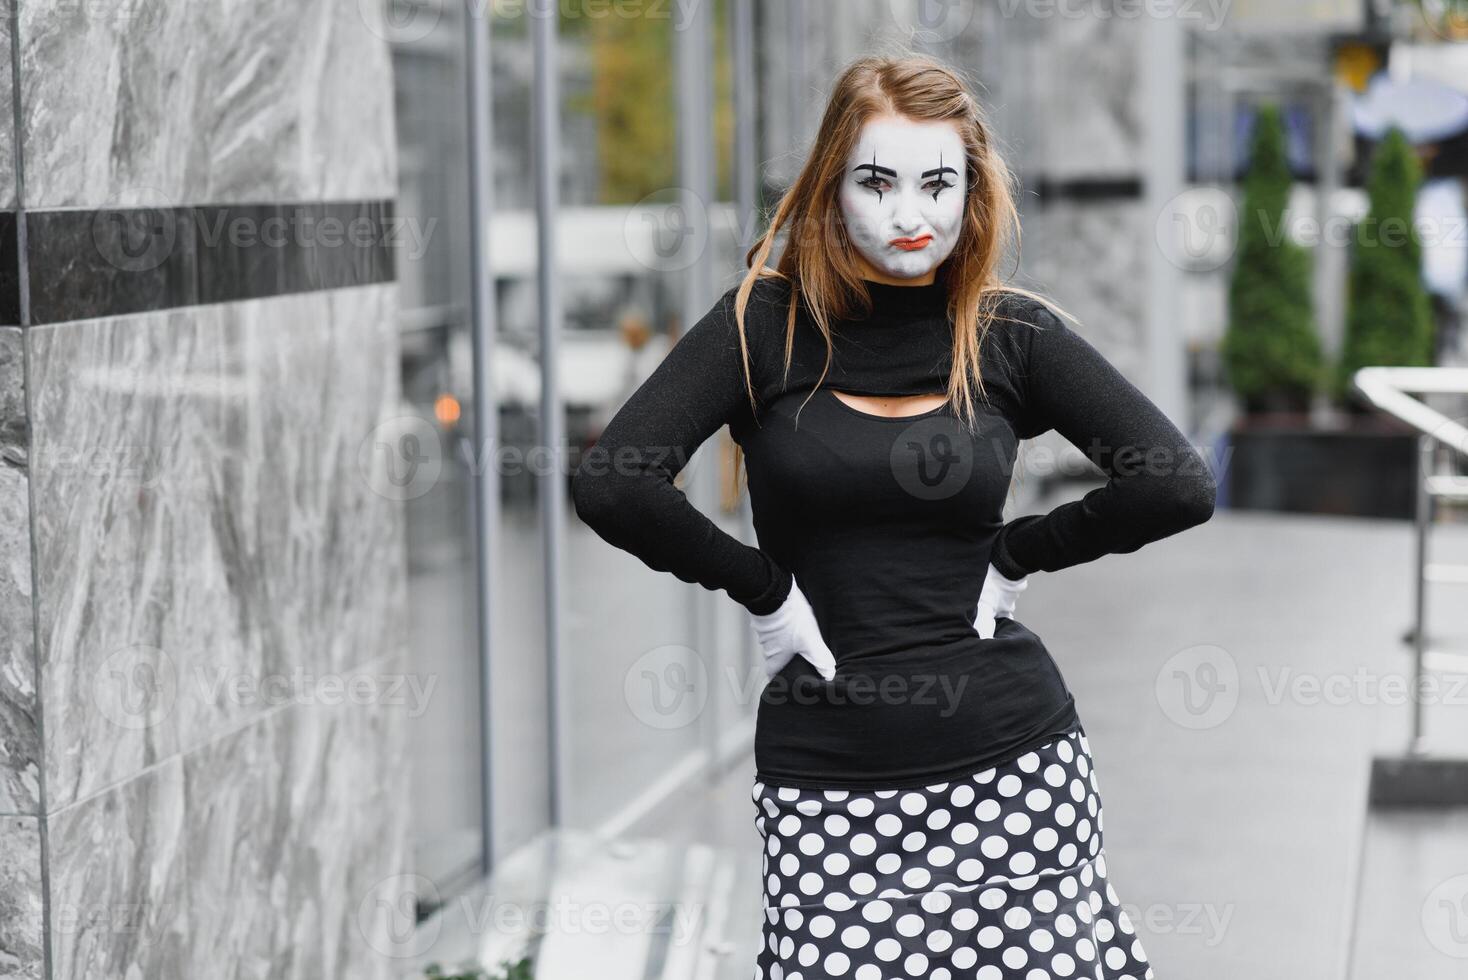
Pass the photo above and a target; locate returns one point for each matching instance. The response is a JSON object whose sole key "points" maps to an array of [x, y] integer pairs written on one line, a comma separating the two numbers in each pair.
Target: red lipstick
{"points": [[911, 244]]}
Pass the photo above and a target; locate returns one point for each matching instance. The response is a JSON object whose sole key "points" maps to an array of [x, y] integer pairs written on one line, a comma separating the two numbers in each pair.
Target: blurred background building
{"points": [[225, 462]]}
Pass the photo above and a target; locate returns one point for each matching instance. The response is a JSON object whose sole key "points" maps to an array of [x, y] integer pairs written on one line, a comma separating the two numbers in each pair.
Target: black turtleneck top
{"points": [[890, 524]]}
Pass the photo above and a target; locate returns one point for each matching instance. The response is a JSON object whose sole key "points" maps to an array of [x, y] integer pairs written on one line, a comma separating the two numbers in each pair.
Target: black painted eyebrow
{"points": [[875, 169], [940, 170]]}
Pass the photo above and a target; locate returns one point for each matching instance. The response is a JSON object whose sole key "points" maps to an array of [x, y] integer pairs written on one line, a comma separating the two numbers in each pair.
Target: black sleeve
{"points": [[1158, 483], [623, 488]]}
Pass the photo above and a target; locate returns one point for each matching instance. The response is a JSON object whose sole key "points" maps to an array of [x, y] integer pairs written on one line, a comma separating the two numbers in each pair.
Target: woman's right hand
{"points": [[792, 631]]}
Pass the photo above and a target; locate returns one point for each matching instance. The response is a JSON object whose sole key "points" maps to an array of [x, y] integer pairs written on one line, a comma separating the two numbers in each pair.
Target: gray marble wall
{"points": [[214, 627]]}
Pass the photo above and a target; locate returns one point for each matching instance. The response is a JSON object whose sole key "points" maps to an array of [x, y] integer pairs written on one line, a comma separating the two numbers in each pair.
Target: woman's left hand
{"points": [[997, 600]]}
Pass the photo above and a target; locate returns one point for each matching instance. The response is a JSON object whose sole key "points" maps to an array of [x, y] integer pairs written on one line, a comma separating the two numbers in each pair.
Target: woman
{"points": [[924, 787]]}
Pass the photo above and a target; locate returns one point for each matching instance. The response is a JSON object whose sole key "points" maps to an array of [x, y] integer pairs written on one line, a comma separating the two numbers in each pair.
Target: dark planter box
{"points": [[1362, 465]]}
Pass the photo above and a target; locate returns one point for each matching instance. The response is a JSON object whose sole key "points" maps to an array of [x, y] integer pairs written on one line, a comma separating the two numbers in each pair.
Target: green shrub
{"points": [[1270, 349], [1388, 315], [520, 970]]}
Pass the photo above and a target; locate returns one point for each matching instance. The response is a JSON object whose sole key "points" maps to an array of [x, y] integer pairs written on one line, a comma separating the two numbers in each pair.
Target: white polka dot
{"points": [[1017, 823], [810, 883], [1115, 958], [1014, 957], [965, 919], [915, 965], [988, 810], [1065, 814], [1063, 965], [1041, 941], [964, 957], [941, 857], [822, 926], [1077, 790], [985, 777], [909, 925], [837, 964], [808, 954], [964, 833], [788, 825], [887, 949], [836, 863], [863, 844], [788, 793], [811, 844], [876, 911], [809, 808], [939, 940], [989, 972], [889, 825], [1018, 917], [1045, 839], [1029, 762], [838, 902], [992, 898], [938, 819], [789, 864], [917, 877], [990, 937], [836, 795], [970, 869], [963, 795], [862, 883], [1055, 775], [936, 902], [1022, 863], [913, 803], [868, 971], [1045, 901], [1037, 800], [787, 947], [855, 937], [994, 846], [889, 863], [1010, 785], [860, 807], [914, 840], [837, 825]]}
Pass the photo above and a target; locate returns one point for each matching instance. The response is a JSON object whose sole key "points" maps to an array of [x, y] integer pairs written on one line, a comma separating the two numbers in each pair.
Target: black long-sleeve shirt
{"points": [[889, 524]]}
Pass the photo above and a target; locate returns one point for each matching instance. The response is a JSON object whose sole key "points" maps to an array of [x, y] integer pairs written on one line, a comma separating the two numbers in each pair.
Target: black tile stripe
{"points": [[112, 262], [1086, 189]]}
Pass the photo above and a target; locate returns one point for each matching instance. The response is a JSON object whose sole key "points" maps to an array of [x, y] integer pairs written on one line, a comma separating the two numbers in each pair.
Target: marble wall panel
{"points": [[20, 790], [7, 102], [21, 899], [118, 880], [157, 102], [207, 543]]}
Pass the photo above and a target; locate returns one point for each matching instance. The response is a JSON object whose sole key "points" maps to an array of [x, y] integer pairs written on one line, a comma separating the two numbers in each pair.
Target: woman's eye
{"points": [[937, 186], [877, 184]]}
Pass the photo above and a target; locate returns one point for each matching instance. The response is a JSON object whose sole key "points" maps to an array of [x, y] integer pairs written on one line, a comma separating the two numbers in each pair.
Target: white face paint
{"points": [[902, 195]]}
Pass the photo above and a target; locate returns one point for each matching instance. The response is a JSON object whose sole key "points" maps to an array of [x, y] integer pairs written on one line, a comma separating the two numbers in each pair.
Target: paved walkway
{"points": [[1235, 682]]}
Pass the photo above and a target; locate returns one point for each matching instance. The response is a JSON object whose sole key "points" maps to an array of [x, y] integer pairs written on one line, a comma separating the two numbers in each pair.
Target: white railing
{"points": [[1394, 390]]}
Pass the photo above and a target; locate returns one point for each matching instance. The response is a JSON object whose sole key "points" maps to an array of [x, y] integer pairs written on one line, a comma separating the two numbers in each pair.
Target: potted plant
{"points": [[1281, 456]]}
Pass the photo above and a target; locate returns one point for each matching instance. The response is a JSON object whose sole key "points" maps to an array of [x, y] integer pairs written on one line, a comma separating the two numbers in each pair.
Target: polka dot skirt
{"points": [[1000, 875]]}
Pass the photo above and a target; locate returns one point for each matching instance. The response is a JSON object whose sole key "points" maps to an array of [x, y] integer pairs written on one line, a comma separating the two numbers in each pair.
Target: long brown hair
{"points": [[817, 259]]}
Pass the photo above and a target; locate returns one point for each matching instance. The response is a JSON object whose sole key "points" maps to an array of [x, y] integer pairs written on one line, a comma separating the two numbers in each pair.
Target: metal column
{"points": [[486, 401], [545, 140]]}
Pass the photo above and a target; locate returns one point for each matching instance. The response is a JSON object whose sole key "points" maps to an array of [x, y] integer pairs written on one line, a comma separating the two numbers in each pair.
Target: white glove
{"points": [[792, 630], [996, 600]]}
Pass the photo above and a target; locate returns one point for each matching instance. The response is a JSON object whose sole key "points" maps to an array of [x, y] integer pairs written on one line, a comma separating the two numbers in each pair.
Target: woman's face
{"points": [[902, 195]]}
